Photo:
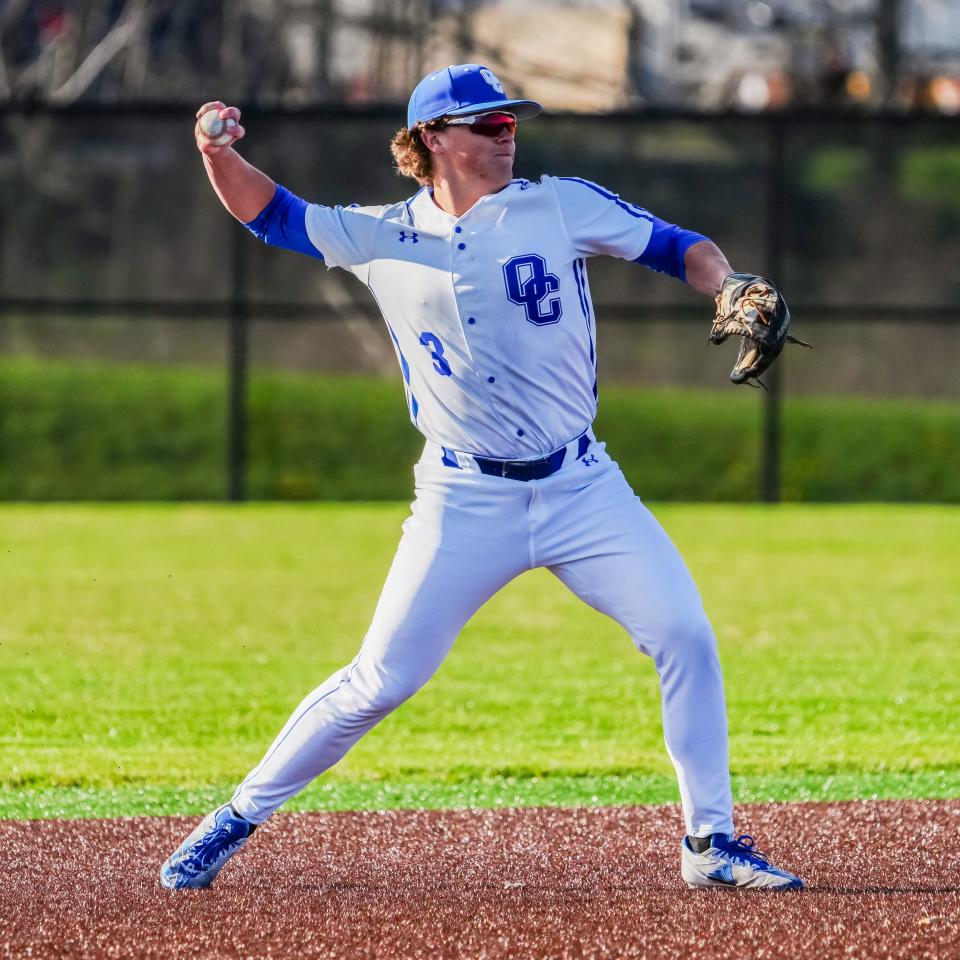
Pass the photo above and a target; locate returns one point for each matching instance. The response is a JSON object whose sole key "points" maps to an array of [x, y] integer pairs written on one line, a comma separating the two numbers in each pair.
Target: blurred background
{"points": [[151, 349]]}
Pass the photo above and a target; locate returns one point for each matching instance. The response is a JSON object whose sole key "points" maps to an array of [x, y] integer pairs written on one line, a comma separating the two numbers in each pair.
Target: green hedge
{"points": [[79, 431]]}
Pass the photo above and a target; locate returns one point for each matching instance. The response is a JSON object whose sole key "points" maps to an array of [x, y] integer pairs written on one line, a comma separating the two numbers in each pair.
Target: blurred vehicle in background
{"points": [[587, 55]]}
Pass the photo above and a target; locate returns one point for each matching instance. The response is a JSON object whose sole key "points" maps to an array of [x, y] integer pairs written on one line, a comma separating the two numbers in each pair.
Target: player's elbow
{"points": [[283, 223], [666, 251]]}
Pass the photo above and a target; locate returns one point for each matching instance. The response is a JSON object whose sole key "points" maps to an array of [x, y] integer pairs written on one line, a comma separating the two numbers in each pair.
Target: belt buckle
{"points": [[505, 465]]}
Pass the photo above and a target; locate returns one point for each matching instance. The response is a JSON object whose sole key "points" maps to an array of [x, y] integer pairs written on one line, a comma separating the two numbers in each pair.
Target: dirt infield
{"points": [[883, 881]]}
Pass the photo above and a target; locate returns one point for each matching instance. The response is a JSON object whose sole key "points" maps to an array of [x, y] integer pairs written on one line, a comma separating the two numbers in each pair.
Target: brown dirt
{"points": [[883, 881]]}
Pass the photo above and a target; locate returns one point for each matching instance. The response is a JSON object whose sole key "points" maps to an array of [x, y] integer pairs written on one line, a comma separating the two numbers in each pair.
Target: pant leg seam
{"points": [[259, 767]]}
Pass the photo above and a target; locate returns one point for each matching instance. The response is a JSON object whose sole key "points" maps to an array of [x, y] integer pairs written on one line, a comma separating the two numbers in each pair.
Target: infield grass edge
{"points": [[493, 792]]}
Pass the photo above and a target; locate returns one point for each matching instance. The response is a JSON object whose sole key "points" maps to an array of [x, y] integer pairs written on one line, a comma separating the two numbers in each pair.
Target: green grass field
{"points": [[149, 654]]}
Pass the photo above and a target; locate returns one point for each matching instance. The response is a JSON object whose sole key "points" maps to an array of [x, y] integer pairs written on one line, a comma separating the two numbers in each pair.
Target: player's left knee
{"points": [[686, 634], [697, 636]]}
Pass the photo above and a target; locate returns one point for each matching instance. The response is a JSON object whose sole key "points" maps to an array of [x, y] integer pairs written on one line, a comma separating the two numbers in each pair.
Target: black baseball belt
{"points": [[525, 470]]}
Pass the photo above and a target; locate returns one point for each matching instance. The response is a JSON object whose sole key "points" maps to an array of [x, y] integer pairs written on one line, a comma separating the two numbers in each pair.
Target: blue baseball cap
{"points": [[461, 90]]}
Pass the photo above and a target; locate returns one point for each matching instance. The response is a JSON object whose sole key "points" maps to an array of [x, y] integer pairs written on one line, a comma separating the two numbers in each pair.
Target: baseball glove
{"points": [[753, 309]]}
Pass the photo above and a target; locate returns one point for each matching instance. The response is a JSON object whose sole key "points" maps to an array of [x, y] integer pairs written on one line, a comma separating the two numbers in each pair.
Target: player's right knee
{"points": [[379, 692], [392, 695]]}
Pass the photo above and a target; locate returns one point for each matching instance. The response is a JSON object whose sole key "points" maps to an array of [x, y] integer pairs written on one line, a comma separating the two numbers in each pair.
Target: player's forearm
{"points": [[242, 188], [706, 267]]}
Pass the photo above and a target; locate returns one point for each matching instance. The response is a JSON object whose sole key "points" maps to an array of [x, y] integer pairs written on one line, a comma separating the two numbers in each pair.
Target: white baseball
{"points": [[215, 129]]}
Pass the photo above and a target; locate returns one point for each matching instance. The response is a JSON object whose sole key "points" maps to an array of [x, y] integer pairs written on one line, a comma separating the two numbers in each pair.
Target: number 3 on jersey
{"points": [[529, 284], [432, 342]]}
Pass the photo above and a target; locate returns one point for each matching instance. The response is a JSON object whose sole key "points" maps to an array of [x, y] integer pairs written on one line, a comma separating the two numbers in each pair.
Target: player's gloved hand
{"points": [[212, 139], [753, 309]]}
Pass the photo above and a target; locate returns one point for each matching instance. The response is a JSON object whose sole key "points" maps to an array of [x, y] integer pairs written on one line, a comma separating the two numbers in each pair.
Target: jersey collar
{"points": [[429, 216]]}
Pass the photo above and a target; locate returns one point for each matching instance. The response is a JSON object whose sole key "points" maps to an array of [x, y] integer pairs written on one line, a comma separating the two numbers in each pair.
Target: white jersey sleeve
{"points": [[345, 235], [598, 221]]}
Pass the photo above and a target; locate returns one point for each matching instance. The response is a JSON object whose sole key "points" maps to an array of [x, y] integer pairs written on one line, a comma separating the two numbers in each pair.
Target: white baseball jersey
{"points": [[490, 312]]}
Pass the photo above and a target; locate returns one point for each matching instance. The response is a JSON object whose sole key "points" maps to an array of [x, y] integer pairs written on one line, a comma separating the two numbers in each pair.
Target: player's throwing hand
{"points": [[217, 128]]}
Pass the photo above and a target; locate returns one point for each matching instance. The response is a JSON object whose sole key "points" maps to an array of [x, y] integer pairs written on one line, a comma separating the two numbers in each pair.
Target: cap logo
{"points": [[491, 79]]}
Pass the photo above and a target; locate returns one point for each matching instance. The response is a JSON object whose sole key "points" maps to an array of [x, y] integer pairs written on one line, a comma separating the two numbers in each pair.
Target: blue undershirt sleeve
{"points": [[283, 223], [667, 245]]}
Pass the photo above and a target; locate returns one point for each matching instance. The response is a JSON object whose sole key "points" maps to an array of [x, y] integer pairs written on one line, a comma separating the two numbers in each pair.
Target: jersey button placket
{"points": [[459, 253]]}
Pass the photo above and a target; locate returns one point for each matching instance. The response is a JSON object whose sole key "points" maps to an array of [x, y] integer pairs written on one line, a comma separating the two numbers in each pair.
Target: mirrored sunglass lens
{"points": [[490, 126]]}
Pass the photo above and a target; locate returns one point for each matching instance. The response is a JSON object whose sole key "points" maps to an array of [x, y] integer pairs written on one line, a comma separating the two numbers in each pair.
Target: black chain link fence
{"points": [[114, 249]]}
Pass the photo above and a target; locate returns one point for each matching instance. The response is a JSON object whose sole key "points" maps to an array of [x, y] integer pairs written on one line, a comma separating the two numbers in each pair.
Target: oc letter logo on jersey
{"points": [[529, 284]]}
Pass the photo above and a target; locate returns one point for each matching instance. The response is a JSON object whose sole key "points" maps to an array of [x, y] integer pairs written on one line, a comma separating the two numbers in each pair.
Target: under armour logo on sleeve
{"points": [[404, 236]]}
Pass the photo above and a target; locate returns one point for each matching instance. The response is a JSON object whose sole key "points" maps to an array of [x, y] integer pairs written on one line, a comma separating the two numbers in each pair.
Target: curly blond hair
{"points": [[411, 156]]}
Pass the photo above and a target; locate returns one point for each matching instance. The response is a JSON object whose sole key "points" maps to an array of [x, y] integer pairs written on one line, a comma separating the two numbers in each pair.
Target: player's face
{"points": [[484, 148]]}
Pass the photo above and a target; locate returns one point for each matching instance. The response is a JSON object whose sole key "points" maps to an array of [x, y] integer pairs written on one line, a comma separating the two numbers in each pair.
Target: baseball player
{"points": [[482, 281]]}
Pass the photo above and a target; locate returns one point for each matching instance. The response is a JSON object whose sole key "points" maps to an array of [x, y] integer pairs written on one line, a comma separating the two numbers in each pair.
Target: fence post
{"points": [[776, 217], [237, 356]]}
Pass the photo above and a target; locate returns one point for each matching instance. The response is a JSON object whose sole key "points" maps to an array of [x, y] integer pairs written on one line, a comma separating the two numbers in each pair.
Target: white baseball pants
{"points": [[468, 536]]}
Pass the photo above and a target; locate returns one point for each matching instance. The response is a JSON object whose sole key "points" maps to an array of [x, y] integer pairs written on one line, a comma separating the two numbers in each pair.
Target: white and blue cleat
{"points": [[733, 862], [198, 860]]}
